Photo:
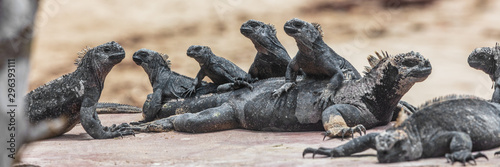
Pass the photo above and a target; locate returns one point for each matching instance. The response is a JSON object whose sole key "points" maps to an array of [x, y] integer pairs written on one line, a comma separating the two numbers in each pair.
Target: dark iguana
{"points": [[487, 59], [316, 59], [451, 126], [166, 84], [221, 71], [75, 95], [271, 59], [364, 103]]}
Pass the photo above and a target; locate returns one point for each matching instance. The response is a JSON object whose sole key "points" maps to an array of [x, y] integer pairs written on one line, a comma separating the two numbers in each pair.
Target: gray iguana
{"points": [[75, 95], [487, 59], [316, 59], [450, 126], [359, 104], [221, 71], [167, 85], [271, 59]]}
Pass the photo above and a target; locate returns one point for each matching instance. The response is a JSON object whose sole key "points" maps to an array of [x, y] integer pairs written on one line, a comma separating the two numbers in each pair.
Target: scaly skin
{"points": [[221, 71], [271, 59], [317, 60], [452, 127], [167, 85], [364, 103], [74, 96]]}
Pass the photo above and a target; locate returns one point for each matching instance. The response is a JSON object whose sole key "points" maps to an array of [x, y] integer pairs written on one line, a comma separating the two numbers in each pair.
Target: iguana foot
{"points": [[240, 83], [161, 125], [325, 98], [117, 130], [321, 151], [284, 88], [188, 91], [346, 131], [463, 157]]}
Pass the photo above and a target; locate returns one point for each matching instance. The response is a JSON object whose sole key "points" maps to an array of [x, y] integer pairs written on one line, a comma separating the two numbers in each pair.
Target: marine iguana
{"points": [[271, 59], [166, 84], [75, 95], [359, 104], [221, 71], [471, 124], [487, 59], [316, 59]]}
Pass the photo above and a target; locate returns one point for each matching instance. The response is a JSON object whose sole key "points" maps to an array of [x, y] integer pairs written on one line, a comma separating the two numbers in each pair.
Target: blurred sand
{"points": [[444, 32]]}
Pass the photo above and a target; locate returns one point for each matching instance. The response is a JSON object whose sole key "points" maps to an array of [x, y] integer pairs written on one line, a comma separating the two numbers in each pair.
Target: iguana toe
{"points": [[464, 157]]}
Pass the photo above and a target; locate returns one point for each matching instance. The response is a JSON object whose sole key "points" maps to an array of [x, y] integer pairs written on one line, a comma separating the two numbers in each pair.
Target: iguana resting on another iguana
{"points": [[271, 59], [487, 59], [167, 85], [316, 59], [75, 95], [221, 71], [451, 126], [359, 104]]}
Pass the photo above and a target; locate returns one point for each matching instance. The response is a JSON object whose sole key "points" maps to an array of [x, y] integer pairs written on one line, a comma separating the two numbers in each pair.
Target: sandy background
{"points": [[444, 31]]}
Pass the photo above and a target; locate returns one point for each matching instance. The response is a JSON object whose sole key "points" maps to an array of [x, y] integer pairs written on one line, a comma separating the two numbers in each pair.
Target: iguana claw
{"points": [[284, 88], [464, 157]]}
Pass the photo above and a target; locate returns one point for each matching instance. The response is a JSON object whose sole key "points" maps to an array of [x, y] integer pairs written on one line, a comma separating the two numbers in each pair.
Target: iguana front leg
{"points": [[336, 126], [496, 93], [460, 145], [151, 109], [354, 146], [327, 95], [92, 125], [190, 91], [290, 79]]}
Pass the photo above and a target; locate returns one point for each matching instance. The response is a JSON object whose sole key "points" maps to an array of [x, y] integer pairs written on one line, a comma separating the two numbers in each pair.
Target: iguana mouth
{"points": [[117, 56], [291, 30], [246, 30], [137, 61], [424, 72]]}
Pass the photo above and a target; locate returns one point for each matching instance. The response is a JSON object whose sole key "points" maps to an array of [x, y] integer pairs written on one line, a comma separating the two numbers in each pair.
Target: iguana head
{"points": [[199, 53], [398, 73], [303, 32], [256, 30], [151, 60], [102, 57], [396, 146], [485, 59]]}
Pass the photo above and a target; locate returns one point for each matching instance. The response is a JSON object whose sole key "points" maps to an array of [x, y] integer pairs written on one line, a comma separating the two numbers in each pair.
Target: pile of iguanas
{"points": [[316, 90]]}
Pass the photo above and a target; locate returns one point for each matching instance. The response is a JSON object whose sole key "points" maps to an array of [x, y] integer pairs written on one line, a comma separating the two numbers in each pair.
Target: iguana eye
{"points": [[106, 49], [253, 24], [410, 62]]}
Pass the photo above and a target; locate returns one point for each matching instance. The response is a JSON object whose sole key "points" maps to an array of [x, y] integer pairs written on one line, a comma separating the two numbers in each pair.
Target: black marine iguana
{"points": [[316, 59], [271, 59], [166, 84], [75, 95], [221, 71], [487, 59], [359, 104], [451, 126]]}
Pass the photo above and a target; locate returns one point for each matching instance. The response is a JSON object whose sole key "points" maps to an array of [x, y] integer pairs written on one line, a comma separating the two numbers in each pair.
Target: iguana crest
{"points": [[81, 54], [447, 98], [373, 61], [317, 26], [165, 58]]}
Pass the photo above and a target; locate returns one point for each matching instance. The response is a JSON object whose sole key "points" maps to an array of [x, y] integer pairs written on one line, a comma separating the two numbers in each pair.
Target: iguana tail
{"points": [[116, 108]]}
